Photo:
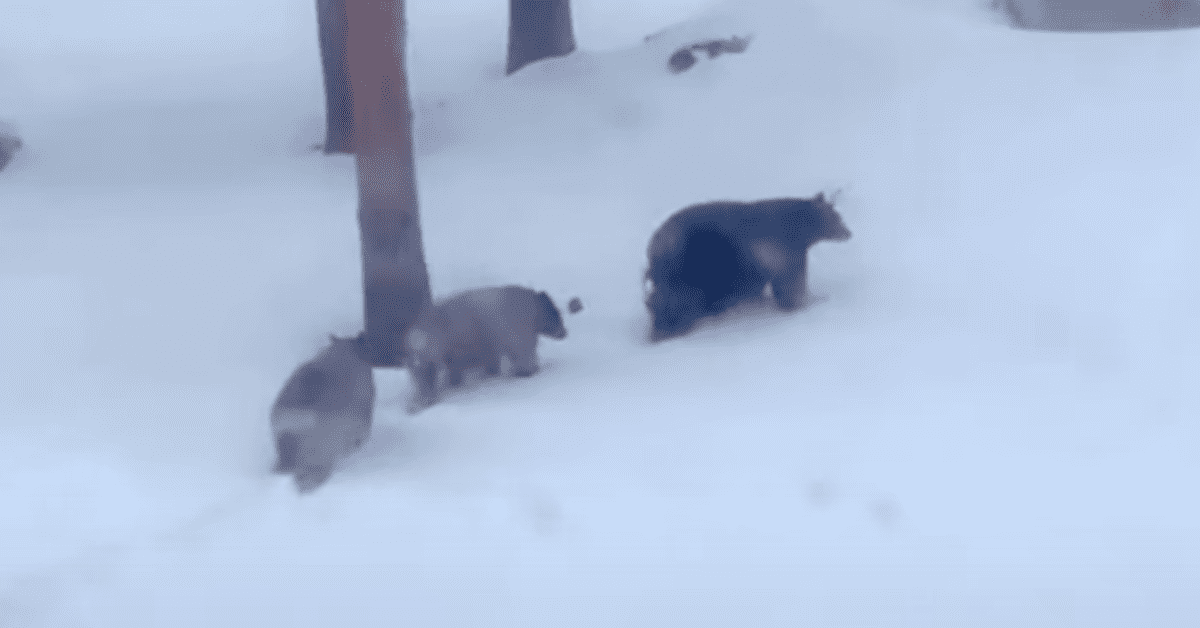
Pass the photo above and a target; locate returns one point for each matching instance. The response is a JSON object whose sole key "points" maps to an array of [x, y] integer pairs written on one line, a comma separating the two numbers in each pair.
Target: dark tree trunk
{"points": [[538, 29], [1101, 15], [339, 99], [395, 281]]}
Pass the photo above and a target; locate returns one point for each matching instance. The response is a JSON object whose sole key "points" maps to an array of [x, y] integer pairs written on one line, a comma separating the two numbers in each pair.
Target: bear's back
{"points": [[792, 222], [326, 382], [460, 332], [508, 312]]}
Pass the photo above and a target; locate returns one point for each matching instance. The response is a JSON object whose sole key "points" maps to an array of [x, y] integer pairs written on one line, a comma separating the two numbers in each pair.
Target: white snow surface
{"points": [[990, 418]]}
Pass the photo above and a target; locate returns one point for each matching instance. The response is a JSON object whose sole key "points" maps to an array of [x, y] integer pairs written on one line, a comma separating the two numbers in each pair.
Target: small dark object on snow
{"points": [[683, 58], [717, 47], [9, 145], [709, 257], [475, 329], [574, 306], [323, 413]]}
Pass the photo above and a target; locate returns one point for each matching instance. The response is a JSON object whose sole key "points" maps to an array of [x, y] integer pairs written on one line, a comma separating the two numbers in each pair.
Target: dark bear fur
{"points": [[475, 329], [709, 257]]}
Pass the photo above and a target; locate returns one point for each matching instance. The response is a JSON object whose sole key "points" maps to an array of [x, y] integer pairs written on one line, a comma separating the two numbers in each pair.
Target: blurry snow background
{"points": [[992, 418]]}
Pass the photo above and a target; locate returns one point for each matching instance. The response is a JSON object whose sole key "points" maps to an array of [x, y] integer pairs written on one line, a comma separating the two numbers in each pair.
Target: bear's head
{"points": [[550, 322], [829, 222], [674, 309], [806, 221]]}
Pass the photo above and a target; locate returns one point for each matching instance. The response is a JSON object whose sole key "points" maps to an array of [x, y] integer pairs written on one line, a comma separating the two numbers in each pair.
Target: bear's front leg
{"points": [[491, 366], [524, 361], [790, 286], [674, 310]]}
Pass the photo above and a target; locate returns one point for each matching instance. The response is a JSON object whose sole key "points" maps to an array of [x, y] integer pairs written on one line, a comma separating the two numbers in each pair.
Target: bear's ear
{"points": [[820, 197]]}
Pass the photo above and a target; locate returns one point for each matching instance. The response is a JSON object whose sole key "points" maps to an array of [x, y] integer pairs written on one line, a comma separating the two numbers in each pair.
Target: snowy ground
{"points": [[989, 420]]}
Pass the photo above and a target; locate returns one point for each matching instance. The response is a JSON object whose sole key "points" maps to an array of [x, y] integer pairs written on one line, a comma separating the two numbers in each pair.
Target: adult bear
{"points": [[323, 412], [708, 257], [475, 329]]}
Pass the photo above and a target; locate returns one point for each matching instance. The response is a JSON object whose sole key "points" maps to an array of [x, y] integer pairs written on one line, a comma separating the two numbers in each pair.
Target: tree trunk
{"points": [[1102, 15], [339, 100], [395, 281], [538, 29]]}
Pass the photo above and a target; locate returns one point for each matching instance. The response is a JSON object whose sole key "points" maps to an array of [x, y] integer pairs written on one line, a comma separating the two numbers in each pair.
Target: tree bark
{"points": [[395, 280], [1102, 15], [339, 99], [538, 29]]}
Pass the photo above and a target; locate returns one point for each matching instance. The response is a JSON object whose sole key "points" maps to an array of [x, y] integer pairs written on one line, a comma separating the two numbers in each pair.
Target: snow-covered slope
{"points": [[989, 419]]}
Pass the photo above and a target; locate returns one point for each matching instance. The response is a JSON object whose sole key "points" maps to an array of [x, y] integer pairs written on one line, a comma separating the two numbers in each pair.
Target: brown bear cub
{"points": [[476, 329], [709, 257], [323, 413]]}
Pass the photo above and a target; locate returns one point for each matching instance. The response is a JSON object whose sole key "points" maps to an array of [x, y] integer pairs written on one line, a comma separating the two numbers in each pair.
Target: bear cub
{"points": [[709, 257], [323, 413], [477, 328]]}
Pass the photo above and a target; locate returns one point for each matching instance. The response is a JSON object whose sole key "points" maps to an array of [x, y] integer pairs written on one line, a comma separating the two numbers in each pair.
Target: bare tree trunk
{"points": [[339, 100], [1101, 15], [362, 52], [538, 29], [395, 280]]}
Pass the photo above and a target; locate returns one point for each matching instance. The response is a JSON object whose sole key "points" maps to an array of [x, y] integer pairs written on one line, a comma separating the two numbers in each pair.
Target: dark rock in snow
{"points": [[683, 58], [574, 306], [477, 328], [717, 47], [707, 258]]}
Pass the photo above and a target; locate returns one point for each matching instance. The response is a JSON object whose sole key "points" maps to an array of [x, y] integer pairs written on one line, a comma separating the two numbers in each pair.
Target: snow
{"points": [[987, 420]]}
